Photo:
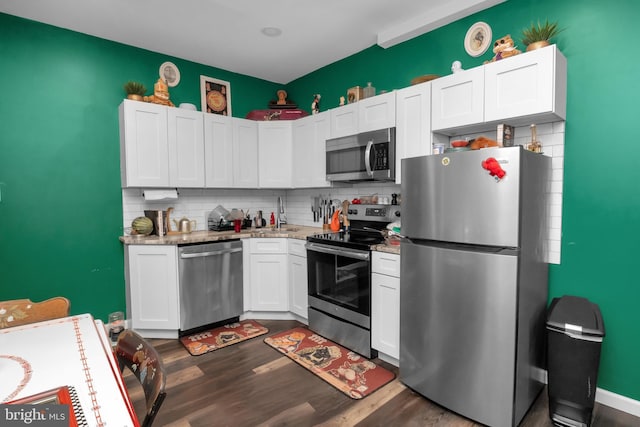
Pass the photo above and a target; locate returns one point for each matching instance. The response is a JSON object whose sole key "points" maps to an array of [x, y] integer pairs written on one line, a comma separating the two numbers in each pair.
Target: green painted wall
{"points": [[60, 213], [601, 211], [61, 205]]}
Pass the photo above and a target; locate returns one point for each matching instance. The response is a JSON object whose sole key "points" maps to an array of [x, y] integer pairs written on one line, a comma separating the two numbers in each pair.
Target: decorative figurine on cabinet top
{"points": [[456, 67], [503, 48], [283, 101], [160, 94], [282, 97], [315, 105]]}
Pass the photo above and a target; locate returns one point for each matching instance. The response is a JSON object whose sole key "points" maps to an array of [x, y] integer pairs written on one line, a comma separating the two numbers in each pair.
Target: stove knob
{"points": [[352, 212], [397, 213]]}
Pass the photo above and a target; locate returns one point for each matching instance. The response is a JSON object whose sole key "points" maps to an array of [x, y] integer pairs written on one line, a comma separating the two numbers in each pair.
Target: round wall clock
{"points": [[170, 73], [478, 39]]}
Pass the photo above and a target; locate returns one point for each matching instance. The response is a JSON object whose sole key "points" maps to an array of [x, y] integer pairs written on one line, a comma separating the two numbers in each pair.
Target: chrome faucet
{"points": [[281, 218]]}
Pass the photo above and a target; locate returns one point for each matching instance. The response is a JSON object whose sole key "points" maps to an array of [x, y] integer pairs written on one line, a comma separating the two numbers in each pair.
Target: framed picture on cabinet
{"points": [[215, 96]]}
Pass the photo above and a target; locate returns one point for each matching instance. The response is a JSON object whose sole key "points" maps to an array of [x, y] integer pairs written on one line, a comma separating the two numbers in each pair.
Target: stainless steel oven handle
{"points": [[367, 157], [333, 250], [210, 253]]}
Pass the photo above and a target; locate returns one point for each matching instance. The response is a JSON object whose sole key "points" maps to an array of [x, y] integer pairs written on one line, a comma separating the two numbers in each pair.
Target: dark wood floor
{"points": [[251, 384]]}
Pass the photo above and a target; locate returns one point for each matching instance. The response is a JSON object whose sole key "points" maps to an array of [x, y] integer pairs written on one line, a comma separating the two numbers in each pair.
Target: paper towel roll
{"points": [[169, 194]]}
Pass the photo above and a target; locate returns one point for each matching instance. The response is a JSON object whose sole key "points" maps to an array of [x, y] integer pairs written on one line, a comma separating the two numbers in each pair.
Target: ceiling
{"points": [[227, 34]]}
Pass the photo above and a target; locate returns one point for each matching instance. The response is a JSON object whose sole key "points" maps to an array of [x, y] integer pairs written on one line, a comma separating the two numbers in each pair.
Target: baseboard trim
{"points": [[603, 397], [618, 402]]}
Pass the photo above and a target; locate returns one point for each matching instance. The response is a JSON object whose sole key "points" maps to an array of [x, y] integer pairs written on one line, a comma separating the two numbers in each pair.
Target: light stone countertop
{"points": [[392, 249], [289, 231]]}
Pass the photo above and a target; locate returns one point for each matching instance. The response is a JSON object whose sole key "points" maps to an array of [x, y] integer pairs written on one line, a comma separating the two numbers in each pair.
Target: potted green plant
{"points": [[537, 36], [134, 90]]}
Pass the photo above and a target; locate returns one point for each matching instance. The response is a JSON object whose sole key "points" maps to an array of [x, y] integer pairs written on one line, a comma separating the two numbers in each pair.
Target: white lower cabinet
{"points": [[269, 275], [298, 290], [385, 303], [153, 305]]}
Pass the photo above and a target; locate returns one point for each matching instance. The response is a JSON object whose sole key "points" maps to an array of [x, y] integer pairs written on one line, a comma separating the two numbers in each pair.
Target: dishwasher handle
{"points": [[210, 253]]}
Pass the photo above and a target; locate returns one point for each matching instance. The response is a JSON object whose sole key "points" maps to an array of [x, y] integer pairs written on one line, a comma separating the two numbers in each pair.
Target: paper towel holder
{"points": [[160, 194]]}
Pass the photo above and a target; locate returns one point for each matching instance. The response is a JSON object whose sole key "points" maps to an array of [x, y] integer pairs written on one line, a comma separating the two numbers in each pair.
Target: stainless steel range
{"points": [[339, 274]]}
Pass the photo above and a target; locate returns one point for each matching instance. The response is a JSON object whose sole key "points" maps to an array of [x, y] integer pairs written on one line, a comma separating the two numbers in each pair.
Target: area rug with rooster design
{"points": [[223, 336], [347, 371]]}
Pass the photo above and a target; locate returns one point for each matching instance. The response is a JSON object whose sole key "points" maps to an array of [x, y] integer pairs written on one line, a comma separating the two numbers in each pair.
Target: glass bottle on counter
{"points": [[534, 145]]}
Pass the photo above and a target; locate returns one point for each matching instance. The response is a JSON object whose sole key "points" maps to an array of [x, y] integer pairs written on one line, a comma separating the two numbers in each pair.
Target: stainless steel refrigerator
{"points": [[473, 282]]}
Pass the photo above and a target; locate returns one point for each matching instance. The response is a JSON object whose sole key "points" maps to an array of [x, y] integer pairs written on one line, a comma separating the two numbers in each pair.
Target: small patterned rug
{"points": [[347, 371], [223, 336]]}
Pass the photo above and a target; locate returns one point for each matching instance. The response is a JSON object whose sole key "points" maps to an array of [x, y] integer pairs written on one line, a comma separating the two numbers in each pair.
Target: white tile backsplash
{"points": [[198, 203]]}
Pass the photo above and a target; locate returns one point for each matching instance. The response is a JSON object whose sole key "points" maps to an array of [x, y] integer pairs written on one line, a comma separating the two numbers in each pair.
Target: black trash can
{"points": [[574, 337]]}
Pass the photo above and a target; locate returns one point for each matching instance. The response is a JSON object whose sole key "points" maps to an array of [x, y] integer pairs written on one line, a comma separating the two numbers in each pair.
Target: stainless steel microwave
{"points": [[367, 156]]}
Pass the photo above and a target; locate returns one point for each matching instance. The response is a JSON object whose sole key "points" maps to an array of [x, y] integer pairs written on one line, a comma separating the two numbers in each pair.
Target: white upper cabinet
{"points": [[218, 151], [344, 120], [377, 112], [413, 123], [309, 141], [458, 99], [245, 153], [185, 135], [144, 152], [160, 146], [527, 85], [275, 154], [523, 89]]}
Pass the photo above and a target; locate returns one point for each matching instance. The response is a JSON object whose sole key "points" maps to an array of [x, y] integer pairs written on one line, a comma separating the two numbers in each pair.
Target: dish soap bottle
{"points": [[272, 220], [368, 91]]}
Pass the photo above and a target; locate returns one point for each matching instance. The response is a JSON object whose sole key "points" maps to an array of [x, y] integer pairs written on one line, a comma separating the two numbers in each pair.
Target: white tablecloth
{"points": [[72, 351]]}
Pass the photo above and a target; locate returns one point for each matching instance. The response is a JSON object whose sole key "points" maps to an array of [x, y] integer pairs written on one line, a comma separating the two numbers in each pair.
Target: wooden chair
{"points": [[24, 311], [143, 360]]}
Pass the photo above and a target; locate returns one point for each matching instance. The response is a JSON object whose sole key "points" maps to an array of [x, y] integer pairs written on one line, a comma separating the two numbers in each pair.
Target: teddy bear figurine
{"points": [[503, 48]]}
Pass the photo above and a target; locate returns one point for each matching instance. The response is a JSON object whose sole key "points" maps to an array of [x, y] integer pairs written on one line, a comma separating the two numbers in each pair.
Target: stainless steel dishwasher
{"points": [[210, 283]]}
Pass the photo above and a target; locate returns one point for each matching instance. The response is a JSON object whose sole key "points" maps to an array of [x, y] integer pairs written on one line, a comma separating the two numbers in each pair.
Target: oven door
{"points": [[339, 282]]}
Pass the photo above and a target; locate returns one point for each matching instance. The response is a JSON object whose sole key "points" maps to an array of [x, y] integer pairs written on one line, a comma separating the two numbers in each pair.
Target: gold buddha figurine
{"points": [[160, 94]]}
